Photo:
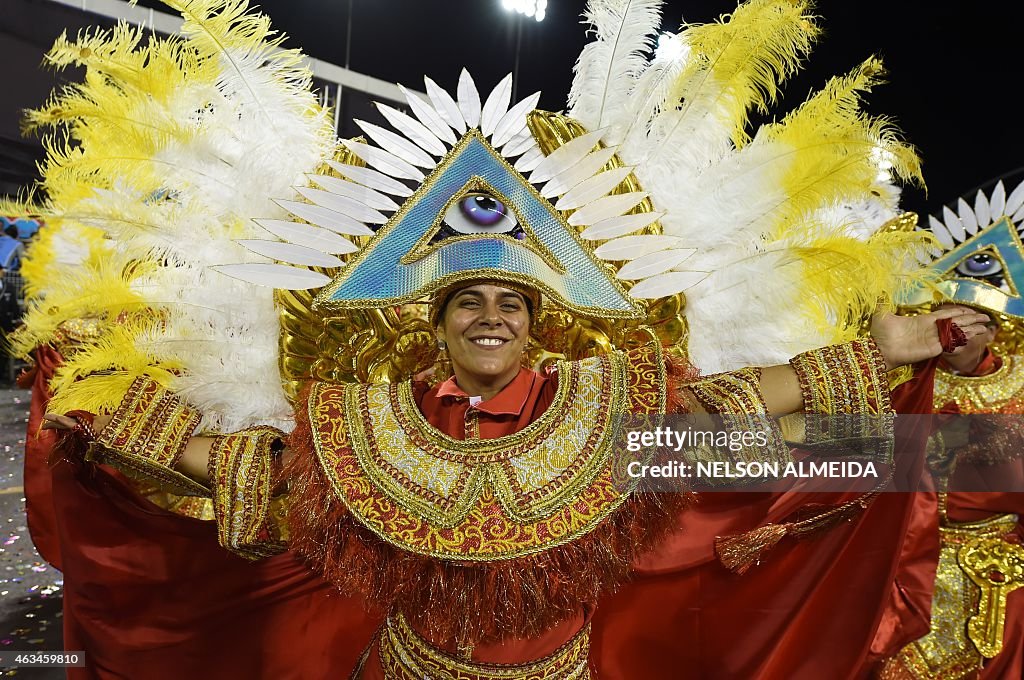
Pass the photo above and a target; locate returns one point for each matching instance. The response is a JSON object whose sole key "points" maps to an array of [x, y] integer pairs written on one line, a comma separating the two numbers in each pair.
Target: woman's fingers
{"points": [[56, 421], [961, 316], [974, 329]]}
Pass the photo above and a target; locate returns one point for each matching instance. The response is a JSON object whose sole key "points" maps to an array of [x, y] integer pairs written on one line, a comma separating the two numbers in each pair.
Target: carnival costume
{"points": [[977, 625], [486, 556]]}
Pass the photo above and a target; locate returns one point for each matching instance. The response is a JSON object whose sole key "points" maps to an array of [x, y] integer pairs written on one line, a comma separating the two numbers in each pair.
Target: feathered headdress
{"points": [[981, 259], [653, 187], [769, 233]]}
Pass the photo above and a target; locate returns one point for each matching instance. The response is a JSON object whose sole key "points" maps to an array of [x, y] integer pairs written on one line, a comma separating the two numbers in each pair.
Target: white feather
{"points": [[274, 275], [997, 204], [496, 106], [632, 247], [940, 232], [529, 160], [592, 189], [650, 97], [328, 219], [604, 208], [514, 121], [565, 156], [967, 217], [219, 147], [318, 238], [290, 253], [519, 144], [1016, 199], [666, 284], [981, 209], [469, 99], [363, 194], [652, 264], [429, 117], [383, 161], [953, 223], [586, 168], [445, 106], [607, 68], [1019, 215], [398, 145], [372, 179], [619, 226], [343, 204], [414, 130]]}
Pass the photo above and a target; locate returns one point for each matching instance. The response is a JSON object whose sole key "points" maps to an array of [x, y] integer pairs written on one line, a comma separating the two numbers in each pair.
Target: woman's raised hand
{"points": [[910, 339]]}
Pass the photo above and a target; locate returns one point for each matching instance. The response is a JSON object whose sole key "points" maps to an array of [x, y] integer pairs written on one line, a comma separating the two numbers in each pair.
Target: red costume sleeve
{"points": [[148, 593]]}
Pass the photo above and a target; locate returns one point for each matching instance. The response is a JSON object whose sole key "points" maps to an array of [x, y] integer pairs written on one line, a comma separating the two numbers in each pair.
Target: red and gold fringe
{"points": [[470, 602]]}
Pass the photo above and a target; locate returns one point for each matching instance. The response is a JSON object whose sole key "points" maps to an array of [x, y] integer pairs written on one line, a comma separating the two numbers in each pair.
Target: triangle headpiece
{"points": [[493, 207]]}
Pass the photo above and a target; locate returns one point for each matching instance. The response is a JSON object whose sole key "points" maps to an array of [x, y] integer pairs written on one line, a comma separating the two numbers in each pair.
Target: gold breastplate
{"points": [[483, 500], [976, 568]]}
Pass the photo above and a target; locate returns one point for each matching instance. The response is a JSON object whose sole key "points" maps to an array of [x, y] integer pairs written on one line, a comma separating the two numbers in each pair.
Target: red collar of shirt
{"points": [[510, 401]]}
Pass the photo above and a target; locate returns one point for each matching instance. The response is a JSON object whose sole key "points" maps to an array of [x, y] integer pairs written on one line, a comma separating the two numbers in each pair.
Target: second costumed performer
{"points": [[481, 515]]}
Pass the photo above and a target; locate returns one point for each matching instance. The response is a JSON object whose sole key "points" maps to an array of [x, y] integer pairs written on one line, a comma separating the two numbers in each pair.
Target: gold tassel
{"points": [[739, 553]]}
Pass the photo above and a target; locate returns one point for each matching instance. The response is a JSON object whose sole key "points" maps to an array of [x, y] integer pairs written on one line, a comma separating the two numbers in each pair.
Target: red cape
{"points": [[825, 606], [148, 593]]}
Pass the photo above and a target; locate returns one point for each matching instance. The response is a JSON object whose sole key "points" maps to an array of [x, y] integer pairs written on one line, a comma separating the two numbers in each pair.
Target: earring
{"points": [[442, 364]]}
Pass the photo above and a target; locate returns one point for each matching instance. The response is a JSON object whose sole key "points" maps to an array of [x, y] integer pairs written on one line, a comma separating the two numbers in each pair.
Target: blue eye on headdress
{"points": [[480, 214], [980, 265]]}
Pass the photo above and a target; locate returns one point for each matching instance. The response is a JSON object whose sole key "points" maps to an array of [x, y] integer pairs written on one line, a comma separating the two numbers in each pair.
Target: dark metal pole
{"points": [[348, 38], [515, 68]]}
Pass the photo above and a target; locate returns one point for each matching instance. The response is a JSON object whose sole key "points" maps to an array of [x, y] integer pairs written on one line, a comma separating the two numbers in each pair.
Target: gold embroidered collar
{"points": [[482, 500], [982, 394]]}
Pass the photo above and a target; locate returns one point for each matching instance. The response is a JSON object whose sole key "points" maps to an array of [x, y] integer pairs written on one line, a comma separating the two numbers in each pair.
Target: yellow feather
{"points": [[99, 374], [118, 131], [846, 280], [834, 149], [743, 58], [99, 289]]}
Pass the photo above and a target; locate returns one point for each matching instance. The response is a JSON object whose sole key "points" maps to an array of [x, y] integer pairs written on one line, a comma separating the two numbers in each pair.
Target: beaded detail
{"points": [[405, 655], [147, 435]]}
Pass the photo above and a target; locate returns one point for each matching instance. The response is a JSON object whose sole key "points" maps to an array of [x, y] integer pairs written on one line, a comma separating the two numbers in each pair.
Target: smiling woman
{"points": [[485, 328]]}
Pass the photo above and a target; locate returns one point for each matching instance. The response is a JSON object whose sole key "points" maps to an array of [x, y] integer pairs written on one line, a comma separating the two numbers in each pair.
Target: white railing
{"points": [[163, 22]]}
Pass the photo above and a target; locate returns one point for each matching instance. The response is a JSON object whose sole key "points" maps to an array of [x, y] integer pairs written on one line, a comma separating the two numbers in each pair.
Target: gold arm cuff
{"points": [[249, 519], [847, 378], [146, 437], [736, 400], [846, 393]]}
